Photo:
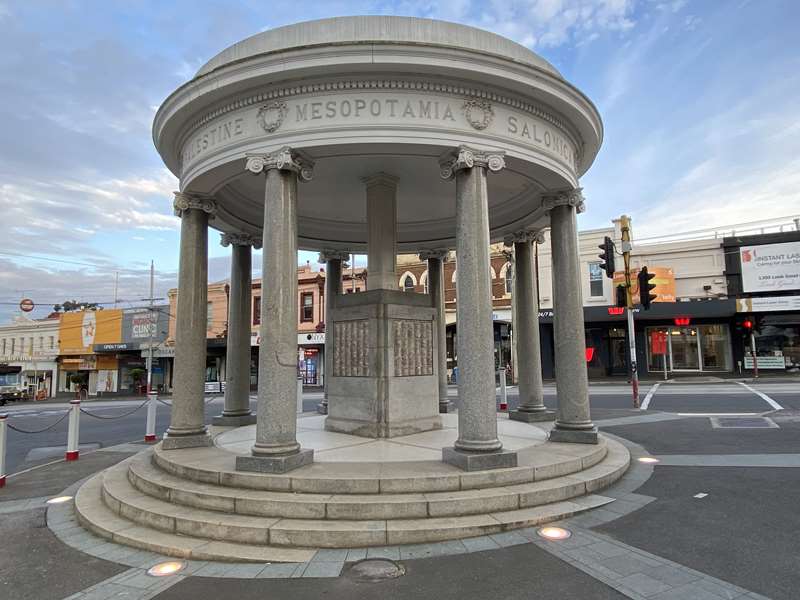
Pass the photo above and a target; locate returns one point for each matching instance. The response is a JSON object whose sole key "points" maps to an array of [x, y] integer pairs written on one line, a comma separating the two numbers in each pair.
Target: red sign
{"points": [[26, 305], [682, 321], [589, 354], [658, 342], [616, 310]]}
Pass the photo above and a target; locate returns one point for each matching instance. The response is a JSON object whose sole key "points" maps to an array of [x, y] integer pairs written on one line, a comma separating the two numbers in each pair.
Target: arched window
{"points": [[423, 281], [408, 284], [509, 278]]}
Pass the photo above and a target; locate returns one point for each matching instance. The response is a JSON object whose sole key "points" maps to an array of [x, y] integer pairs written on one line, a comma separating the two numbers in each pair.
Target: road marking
{"points": [[700, 495], [762, 395], [650, 393], [719, 414]]}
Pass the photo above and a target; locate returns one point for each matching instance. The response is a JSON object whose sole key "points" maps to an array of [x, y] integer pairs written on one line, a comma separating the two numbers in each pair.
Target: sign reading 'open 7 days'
{"points": [[379, 110]]}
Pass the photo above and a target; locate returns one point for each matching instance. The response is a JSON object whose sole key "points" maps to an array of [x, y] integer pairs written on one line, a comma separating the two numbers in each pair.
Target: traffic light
{"points": [[607, 256], [645, 287], [751, 324], [622, 296]]}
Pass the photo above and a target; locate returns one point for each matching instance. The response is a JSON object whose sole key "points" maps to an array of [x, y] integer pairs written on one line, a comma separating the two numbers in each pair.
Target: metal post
{"points": [[664, 356], [73, 433], [299, 395], [503, 391], [3, 430], [625, 227], [150, 431], [753, 352]]}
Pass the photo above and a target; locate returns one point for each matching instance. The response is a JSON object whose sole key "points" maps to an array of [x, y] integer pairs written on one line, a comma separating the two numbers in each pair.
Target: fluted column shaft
{"points": [[187, 418], [573, 419]]}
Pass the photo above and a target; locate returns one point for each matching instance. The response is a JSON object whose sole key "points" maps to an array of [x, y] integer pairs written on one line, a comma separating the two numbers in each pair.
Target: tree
{"points": [[74, 305]]}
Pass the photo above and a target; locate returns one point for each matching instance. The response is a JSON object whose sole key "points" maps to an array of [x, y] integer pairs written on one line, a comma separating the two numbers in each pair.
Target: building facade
{"points": [[28, 355]]}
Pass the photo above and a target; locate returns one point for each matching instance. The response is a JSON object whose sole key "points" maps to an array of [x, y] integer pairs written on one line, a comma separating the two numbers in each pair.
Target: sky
{"points": [[699, 101]]}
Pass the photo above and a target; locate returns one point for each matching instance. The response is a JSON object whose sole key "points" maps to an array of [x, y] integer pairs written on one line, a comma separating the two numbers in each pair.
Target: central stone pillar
{"points": [[382, 231], [477, 446], [573, 419], [236, 411], [276, 449], [526, 332], [187, 419], [333, 260], [436, 260]]}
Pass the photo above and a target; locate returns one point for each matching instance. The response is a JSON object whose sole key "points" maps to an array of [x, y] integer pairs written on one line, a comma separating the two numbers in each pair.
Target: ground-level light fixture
{"points": [[647, 459], [554, 533], [59, 499], [170, 567]]}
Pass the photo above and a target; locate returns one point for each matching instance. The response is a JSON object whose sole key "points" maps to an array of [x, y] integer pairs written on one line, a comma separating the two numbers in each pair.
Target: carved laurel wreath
{"points": [[271, 115], [479, 113]]}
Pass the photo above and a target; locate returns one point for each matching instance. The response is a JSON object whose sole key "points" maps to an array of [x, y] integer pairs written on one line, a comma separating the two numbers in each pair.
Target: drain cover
{"points": [[743, 423], [376, 569]]}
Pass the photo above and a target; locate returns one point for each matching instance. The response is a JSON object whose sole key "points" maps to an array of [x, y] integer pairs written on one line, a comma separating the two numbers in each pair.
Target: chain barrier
{"points": [[127, 414], [20, 430]]}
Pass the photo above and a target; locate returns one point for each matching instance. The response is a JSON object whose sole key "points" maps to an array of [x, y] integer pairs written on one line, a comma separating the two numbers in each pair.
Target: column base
{"points": [[532, 417], [574, 436], [444, 407], [275, 464], [176, 442], [234, 421], [479, 461], [322, 407]]}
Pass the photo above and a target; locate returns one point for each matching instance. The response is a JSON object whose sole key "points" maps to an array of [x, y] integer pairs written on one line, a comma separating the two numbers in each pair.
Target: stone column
{"points": [[526, 332], [382, 231], [237, 356], [276, 449], [187, 419], [333, 288], [477, 446], [436, 260], [573, 420]]}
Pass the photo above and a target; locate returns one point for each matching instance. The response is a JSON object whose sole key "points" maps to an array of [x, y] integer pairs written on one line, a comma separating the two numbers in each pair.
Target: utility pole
{"points": [[625, 225], [152, 325], [116, 287]]}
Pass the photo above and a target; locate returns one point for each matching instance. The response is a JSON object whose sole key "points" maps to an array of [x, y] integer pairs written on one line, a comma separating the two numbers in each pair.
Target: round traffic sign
{"points": [[26, 305]]}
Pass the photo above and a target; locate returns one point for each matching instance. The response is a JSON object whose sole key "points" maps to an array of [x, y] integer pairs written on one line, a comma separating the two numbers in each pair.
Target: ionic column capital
{"points": [[466, 158], [285, 159], [327, 255], [239, 239], [526, 235], [184, 201], [441, 254], [572, 197]]}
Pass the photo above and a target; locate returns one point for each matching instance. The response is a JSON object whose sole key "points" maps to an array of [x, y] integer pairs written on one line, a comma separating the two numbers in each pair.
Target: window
{"points": [[13, 345], [209, 316], [307, 307], [4, 346], [257, 310], [408, 284], [509, 278], [595, 280], [52, 342]]}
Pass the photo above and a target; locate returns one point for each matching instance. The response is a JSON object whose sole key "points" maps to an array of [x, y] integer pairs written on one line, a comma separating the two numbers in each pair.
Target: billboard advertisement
{"points": [[770, 267], [664, 281], [79, 331], [138, 324]]}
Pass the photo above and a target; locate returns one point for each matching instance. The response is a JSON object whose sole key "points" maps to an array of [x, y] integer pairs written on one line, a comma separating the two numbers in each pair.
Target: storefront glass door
{"points": [[684, 349]]}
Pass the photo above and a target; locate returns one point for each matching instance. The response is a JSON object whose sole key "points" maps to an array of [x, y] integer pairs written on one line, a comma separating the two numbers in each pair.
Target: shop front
{"points": [[81, 369], [311, 358]]}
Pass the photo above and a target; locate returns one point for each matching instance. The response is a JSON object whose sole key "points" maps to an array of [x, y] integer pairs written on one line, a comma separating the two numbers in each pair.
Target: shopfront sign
{"points": [[664, 281], [766, 362], [79, 331], [658, 342], [140, 325], [768, 304], [770, 267], [304, 339]]}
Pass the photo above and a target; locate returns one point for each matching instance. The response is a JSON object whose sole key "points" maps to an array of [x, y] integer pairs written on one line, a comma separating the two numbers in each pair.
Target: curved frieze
{"points": [[402, 105]]}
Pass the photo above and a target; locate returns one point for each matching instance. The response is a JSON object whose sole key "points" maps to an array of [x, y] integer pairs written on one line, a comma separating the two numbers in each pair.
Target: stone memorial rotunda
{"points": [[376, 135]]}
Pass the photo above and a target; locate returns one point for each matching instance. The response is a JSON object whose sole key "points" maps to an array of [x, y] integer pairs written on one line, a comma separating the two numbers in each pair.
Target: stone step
{"points": [[98, 518], [286, 540], [217, 466], [151, 480]]}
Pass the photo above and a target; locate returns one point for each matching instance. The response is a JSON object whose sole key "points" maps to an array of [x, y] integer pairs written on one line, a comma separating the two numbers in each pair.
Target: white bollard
{"points": [[503, 392], [150, 431], [299, 395], [3, 430], [73, 432]]}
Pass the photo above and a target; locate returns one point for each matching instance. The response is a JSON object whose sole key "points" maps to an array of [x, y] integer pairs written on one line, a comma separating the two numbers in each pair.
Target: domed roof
{"points": [[377, 30]]}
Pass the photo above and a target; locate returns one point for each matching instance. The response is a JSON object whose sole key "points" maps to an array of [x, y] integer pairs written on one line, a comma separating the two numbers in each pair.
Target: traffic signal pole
{"points": [[753, 352], [625, 226]]}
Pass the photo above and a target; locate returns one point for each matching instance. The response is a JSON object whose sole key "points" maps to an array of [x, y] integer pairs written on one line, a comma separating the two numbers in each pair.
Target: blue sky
{"points": [[699, 101]]}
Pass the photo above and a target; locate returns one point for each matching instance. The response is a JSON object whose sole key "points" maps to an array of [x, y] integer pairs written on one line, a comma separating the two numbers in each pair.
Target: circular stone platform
{"points": [[330, 447], [192, 503]]}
